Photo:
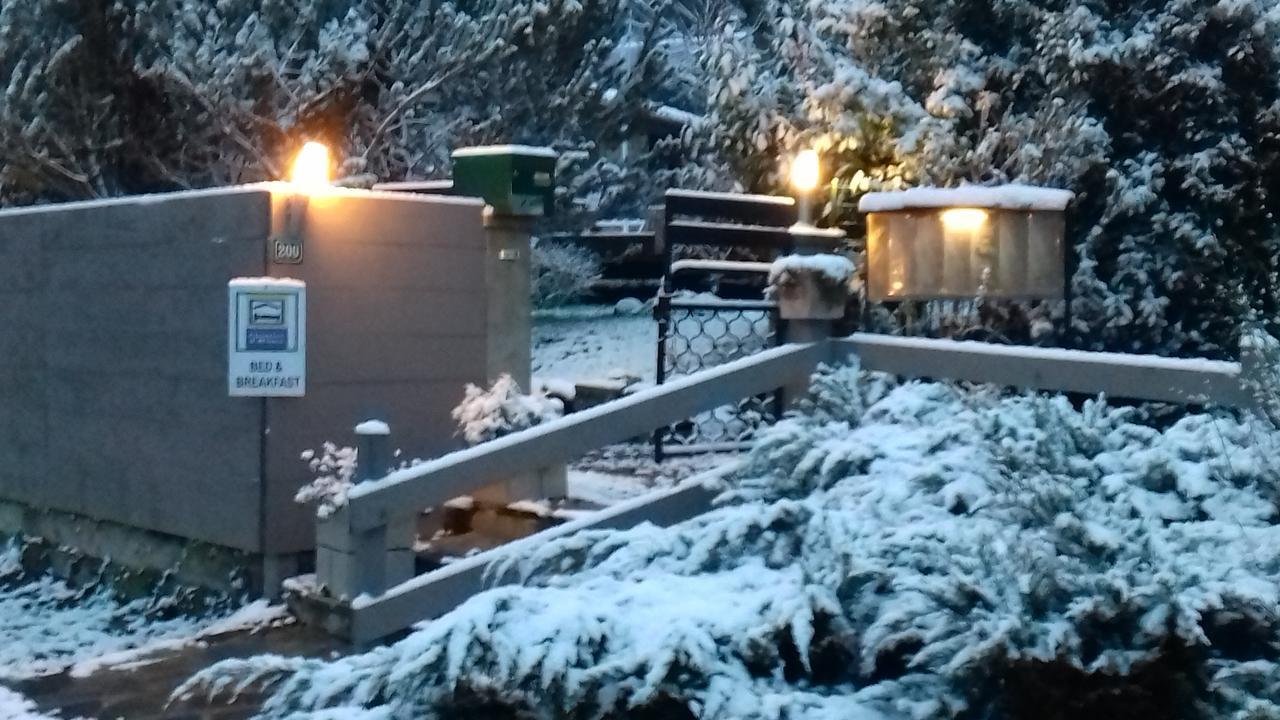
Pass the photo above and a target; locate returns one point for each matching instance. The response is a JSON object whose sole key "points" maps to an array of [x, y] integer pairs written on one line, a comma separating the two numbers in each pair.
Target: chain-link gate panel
{"points": [[699, 334]]}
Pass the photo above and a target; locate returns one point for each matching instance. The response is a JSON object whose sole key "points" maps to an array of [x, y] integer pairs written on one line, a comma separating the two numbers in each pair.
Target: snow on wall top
{"points": [[1003, 197], [528, 150], [144, 199]]}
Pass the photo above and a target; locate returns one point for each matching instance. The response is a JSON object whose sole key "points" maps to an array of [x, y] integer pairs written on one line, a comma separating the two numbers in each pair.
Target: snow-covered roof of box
{"points": [[279, 282], [526, 150], [1001, 197]]}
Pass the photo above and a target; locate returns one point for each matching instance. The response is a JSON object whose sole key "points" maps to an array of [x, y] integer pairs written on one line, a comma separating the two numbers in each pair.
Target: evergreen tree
{"points": [[1162, 116]]}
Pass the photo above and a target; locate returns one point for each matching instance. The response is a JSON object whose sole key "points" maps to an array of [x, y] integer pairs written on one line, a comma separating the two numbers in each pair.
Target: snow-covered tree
{"points": [[105, 98], [1162, 116]]}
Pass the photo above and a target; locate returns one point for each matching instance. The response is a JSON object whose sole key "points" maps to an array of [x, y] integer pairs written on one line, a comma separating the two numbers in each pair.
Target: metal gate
{"points": [[700, 332], [696, 332]]}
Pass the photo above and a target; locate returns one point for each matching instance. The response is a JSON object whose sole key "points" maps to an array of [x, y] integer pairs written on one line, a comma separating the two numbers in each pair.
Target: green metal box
{"points": [[514, 179]]}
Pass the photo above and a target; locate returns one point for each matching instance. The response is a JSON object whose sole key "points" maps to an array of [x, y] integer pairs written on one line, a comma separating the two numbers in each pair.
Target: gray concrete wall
{"points": [[113, 362], [396, 315]]}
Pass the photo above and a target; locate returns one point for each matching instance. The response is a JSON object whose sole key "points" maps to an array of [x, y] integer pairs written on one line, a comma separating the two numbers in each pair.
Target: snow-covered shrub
{"points": [[502, 409], [896, 550], [334, 468], [562, 273]]}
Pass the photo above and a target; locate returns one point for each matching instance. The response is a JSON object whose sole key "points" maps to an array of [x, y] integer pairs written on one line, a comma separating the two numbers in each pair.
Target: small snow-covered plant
{"points": [[335, 469], [561, 273], [502, 409], [830, 270], [810, 286]]}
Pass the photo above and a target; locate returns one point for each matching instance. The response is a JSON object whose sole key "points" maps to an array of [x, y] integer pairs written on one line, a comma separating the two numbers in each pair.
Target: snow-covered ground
{"points": [[16, 707], [594, 343], [892, 552], [48, 626]]}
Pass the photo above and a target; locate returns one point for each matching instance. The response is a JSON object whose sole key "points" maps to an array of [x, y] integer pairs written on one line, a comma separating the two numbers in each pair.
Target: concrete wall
{"points": [[113, 398], [396, 315], [113, 362]]}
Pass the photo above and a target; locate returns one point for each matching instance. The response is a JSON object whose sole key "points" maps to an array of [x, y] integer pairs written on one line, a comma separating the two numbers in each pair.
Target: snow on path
{"points": [[47, 626], [250, 618], [17, 707]]}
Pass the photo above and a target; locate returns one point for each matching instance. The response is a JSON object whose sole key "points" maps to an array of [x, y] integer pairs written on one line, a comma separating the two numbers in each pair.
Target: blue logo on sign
{"points": [[266, 339]]}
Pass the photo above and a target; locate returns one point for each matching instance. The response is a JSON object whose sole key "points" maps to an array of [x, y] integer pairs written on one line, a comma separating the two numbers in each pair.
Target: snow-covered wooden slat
{"points": [[741, 266], [773, 210], [1119, 375], [702, 232]]}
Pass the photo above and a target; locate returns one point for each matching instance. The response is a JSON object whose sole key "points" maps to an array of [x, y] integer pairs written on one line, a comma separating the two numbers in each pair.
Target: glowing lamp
{"points": [[310, 171], [308, 176], [806, 171], [962, 220], [962, 243]]}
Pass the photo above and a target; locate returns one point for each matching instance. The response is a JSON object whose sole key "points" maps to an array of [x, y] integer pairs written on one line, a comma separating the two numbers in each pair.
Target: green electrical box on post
{"points": [[514, 179]]}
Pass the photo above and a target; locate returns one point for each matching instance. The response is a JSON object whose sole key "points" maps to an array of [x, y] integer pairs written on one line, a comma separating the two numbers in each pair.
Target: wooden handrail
{"points": [[1119, 375], [408, 491]]}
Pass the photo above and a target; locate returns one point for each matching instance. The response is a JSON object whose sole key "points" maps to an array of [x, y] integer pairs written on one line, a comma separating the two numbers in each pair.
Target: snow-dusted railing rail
{"points": [[1134, 377], [365, 546], [364, 549]]}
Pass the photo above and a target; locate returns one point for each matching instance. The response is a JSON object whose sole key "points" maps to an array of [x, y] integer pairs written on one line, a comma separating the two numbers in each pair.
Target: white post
{"points": [[351, 562]]}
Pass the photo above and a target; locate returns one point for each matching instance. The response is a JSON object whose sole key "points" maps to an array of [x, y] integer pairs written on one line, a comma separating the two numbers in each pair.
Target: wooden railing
{"points": [[365, 546], [364, 549]]}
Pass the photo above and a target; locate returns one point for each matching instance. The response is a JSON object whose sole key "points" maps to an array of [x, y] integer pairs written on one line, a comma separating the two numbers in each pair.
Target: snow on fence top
{"points": [[1001, 197], [835, 268], [527, 150], [373, 427]]}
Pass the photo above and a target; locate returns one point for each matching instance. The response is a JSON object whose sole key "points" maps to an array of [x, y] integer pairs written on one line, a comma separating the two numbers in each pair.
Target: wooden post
{"points": [[352, 562]]}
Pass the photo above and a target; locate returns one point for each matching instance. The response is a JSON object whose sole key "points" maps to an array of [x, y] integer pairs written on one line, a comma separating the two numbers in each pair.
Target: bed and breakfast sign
{"points": [[267, 337]]}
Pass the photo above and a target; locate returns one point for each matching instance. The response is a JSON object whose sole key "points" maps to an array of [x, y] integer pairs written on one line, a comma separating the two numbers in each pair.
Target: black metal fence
{"points": [[700, 332]]}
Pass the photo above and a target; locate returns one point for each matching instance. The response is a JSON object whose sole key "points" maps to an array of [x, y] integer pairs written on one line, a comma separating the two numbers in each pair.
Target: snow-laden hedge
{"points": [[897, 550]]}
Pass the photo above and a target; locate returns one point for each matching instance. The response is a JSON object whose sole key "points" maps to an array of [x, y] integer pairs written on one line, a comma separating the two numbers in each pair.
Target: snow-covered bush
{"points": [[562, 273], [334, 468], [895, 550], [502, 409]]}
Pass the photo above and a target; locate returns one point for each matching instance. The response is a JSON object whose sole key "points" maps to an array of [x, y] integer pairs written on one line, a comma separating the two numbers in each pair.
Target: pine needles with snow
{"points": [[895, 550]]}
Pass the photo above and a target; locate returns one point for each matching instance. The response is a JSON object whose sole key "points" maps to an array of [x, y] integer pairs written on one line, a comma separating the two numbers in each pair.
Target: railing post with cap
{"points": [[352, 562]]}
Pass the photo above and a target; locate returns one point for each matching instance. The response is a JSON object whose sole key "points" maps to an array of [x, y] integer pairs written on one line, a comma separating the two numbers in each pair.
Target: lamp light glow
{"points": [[964, 219], [311, 168], [806, 171]]}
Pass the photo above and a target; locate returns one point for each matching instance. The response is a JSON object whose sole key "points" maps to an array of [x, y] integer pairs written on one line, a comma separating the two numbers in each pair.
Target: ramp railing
{"points": [[364, 549]]}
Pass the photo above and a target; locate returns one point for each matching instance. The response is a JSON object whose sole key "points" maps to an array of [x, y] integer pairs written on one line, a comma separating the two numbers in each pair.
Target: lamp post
{"points": [[309, 175], [806, 170]]}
